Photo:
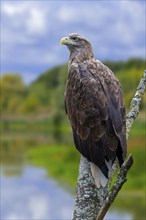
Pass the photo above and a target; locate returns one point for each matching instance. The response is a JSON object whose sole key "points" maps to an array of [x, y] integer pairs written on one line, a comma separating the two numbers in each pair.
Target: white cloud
{"points": [[12, 216], [66, 14], [84, 14], [36, 22], [39, 207], [27, 16], [12, 10]]}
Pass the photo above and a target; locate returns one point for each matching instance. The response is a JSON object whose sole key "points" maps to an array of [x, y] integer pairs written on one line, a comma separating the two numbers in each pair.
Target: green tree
{"points": [[13, 91], [29, 105]]}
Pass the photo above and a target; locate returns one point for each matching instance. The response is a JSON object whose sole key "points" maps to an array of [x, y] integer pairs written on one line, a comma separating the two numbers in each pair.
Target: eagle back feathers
{"points": [[94, 104]]}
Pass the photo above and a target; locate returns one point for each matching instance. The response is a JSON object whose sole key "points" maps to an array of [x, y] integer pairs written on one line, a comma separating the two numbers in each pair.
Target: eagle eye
{"points": [[74, 38]]}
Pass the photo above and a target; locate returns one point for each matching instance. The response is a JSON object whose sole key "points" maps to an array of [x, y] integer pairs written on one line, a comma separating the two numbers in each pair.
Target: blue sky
{"points": [[31, 32]]}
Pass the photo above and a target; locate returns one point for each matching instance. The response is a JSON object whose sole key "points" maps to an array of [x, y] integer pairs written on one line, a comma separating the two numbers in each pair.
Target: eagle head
{"points": [[76, 42]]}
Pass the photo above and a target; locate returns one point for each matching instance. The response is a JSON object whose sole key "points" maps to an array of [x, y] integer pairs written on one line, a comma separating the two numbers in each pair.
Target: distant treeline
{"points": [[45, 96]]}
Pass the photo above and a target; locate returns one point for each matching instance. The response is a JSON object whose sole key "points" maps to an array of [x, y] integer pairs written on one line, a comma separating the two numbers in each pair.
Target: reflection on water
{"points": [[27, 193], [33, 196]]}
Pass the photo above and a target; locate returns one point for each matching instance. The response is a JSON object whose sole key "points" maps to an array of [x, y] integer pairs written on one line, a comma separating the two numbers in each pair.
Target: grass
{"points": [[138, 128], [62, 164]]}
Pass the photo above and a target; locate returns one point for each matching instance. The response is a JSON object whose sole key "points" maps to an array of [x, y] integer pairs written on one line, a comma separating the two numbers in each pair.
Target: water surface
{"points": [[35, 196]]}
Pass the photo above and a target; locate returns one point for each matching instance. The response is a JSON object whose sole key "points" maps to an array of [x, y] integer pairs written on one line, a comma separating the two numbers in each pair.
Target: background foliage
{"points": [[39, 108]]}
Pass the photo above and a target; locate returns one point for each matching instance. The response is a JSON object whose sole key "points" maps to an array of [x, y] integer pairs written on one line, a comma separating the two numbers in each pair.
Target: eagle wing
{"points": [[95, 106]]}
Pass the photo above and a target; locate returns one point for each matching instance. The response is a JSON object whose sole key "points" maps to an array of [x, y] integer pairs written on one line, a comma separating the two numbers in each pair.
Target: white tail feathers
{"points": [[99, 178]]}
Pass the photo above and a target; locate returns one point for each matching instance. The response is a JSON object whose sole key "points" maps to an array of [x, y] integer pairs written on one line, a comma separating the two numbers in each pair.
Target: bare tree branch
{"points": [[121, 179], [135, 103], [92, 203]]}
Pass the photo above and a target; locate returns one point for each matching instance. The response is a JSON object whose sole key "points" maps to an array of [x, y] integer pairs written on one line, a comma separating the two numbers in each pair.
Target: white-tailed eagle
{"points": [[95, 106]]}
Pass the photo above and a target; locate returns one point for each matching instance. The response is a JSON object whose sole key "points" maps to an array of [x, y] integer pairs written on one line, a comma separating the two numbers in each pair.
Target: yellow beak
{"points": [[64, 41]]}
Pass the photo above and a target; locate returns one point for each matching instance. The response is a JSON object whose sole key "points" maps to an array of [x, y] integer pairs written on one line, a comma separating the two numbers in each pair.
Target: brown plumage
{"points": [[95, 106]]}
